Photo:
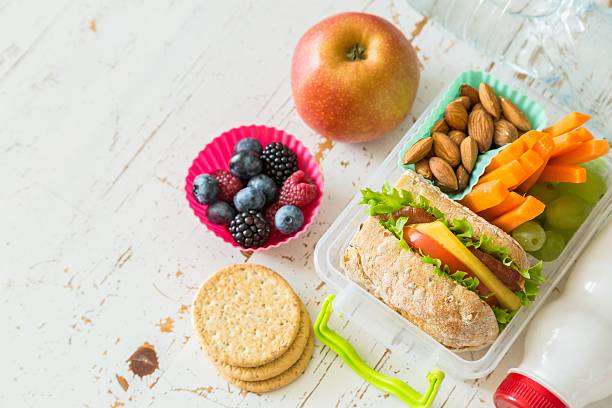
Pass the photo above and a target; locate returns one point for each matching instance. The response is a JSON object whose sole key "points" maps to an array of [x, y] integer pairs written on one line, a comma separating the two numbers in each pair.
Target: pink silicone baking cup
{"points": [[216, 155]]}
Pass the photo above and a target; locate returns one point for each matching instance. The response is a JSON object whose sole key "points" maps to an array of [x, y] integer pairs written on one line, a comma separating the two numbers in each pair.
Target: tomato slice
{"points": [[429, 246]]}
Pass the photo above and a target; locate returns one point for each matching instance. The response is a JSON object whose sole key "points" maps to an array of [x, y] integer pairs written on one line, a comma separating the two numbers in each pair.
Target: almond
{"points": [[467, 102], [456, 115], [470, 92], [418, 151], [463, 177], [514, 115], [504, 133], [422, 167], [443, 172], [445, 189], [480, 128], [478, 106], [446, 149], [440, 126], [489, 100], [457, 136], [469, 153]]}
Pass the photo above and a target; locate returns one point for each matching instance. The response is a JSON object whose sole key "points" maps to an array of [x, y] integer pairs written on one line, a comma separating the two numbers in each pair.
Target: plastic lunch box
{"points": [[389, 327]]}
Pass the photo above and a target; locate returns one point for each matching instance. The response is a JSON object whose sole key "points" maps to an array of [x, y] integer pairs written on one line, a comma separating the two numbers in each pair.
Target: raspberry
{"points": [[229, 184], [271, 212], [298, 190]]}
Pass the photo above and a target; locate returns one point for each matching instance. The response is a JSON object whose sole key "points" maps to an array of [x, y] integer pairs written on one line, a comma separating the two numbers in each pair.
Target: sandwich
{"points": [[441, 266]]}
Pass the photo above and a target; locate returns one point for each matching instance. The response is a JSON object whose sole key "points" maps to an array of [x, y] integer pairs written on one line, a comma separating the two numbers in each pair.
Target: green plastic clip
{"points": [[385, 383]]}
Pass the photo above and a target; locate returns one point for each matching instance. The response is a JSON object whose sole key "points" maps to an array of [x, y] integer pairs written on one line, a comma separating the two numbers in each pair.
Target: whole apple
{"points": [[354, 77]]}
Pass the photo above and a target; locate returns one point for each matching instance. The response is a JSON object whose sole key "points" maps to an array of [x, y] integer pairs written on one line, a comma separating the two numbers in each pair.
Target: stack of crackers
{"points": [[253, 326]]}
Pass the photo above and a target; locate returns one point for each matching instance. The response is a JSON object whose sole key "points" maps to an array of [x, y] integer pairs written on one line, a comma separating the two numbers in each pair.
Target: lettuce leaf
{"points": [[459, 276], [390, 200], [503, 316], [423, 203], [387, 201], [533, 279], [397, 228]]}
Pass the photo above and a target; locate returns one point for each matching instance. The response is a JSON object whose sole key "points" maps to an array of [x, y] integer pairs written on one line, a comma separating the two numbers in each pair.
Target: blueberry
{"points": [[249, 199], [288, 219], [220, 213], [266, 185], [205, 189], [245, 164], [248, 144]]}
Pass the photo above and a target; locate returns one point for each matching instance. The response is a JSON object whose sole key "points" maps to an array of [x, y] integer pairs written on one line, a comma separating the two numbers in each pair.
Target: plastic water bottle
{"points": [[568, 359], [564, 44]]}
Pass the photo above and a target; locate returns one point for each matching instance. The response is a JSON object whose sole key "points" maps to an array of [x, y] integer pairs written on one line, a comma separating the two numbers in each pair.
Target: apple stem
{"points": [[357, 52]]}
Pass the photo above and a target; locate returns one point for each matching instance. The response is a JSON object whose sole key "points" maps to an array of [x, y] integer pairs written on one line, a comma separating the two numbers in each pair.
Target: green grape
{"points": [[545, 192], [552, 248], [530, 235], [566, 212], [567, 233], [590, 191]]}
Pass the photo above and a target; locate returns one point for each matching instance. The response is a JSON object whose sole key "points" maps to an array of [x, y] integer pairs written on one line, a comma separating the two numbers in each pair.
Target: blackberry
{"points": [[249, 229], [279, 162]]}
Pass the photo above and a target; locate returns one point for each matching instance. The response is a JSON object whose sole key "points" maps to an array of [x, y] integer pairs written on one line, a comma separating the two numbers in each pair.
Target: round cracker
{"points": [[285, 378], [246, 315], [275, 367]]}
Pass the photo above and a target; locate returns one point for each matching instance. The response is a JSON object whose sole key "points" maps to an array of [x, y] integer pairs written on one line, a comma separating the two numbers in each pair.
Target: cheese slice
{"points": [[451, 243]]}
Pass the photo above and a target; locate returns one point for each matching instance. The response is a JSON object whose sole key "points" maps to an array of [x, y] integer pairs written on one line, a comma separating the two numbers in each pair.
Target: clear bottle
{"points": [[564, 44], [568, 355]]}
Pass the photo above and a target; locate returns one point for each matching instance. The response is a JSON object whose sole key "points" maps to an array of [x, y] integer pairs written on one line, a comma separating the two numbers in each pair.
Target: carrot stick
{"points": [[569, 141], [485, 195], [530, 182], [544, 148], [587, 151], [567, 173], [531, 162], [530, 138], [511, 174], [531, 208], [512, 152], [567, 123], [512, 201]]}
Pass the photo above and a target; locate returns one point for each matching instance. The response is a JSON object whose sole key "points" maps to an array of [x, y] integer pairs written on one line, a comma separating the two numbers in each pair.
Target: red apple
{"points": [[354, 77]]}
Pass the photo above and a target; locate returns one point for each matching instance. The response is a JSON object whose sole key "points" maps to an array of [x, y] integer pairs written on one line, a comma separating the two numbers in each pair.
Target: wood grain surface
{"points": [[103, 105]]}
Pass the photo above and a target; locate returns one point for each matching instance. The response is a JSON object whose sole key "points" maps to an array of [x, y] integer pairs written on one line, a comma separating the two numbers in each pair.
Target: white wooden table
{"points": [[103, 105]]}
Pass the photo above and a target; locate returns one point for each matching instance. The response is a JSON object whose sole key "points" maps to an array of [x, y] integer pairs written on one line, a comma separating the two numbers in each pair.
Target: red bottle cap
{"points": [[519, 391]]}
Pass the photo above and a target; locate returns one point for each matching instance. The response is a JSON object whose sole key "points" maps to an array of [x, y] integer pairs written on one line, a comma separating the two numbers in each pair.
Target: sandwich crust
{"points": [[453, 315], [452, 210]]}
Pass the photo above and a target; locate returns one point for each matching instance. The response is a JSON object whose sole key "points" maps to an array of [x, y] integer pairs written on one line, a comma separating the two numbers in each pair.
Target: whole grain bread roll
{"points": [[451, 314], [448, 312]]}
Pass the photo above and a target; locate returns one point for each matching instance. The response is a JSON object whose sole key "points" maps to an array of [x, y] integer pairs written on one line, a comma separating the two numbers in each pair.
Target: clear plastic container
{"points": [[557, 42], [357, 305]]}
